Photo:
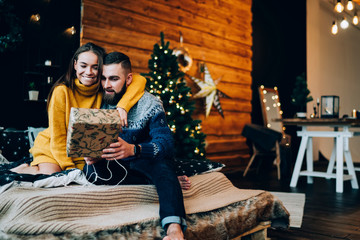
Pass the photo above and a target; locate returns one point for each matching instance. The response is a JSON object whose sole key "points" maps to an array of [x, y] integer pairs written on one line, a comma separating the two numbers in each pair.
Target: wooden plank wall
{"points": [[217, 32]]}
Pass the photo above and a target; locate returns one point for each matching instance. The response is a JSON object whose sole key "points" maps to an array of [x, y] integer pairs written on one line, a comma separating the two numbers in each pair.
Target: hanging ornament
{"points": [[183, 57], [209, 91]]}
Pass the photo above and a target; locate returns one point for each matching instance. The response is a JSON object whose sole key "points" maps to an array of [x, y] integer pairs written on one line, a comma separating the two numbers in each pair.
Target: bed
{"points": [[66, 206]]}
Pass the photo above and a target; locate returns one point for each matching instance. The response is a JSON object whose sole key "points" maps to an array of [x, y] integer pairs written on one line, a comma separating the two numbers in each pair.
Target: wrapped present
{"points": [[91, 130]]}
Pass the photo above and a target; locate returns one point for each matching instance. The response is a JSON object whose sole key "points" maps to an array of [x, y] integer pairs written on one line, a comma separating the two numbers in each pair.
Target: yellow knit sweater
{"points": [[50, 144]]}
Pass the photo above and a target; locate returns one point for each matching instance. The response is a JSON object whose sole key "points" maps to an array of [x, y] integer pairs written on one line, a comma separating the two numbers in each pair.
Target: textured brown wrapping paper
{"points": [[91, 130]]}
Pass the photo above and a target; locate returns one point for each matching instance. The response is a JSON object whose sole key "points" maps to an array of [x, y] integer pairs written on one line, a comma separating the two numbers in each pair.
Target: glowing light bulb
{"points": [[334, 28], [355, 19], [72, 30], [35, 17], [339, 7], [344, 24], [350, 5]]}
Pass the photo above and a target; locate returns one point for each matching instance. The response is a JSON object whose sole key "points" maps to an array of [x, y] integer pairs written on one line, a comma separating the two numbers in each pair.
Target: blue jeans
{"points": [[142, 171]]}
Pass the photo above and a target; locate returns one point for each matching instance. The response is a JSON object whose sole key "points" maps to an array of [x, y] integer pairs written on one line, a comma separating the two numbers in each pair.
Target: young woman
{"points": [[78, 87]]}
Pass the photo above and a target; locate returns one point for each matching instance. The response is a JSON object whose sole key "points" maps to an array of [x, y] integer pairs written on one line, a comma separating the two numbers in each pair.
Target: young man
{"points": [[143, 148]]}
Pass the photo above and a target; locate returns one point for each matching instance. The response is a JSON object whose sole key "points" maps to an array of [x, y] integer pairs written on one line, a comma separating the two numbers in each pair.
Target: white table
{"points": [[341, 135]]}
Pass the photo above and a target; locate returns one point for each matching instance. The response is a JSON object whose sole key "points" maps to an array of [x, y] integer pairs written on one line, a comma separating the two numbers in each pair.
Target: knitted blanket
{"points": [[215, 210]]}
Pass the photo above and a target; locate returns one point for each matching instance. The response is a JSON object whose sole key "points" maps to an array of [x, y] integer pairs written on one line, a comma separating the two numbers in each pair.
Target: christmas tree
{"points": [[300, 95], [167, 82]]}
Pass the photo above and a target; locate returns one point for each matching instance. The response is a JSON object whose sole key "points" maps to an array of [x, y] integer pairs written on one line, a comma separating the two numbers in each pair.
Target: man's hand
{"points": [[90, 160], [118, 150], [123, 117]]}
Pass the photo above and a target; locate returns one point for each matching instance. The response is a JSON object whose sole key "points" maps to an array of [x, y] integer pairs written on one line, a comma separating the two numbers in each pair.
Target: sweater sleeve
{"points": [[57, 126], [162, 142], [133, 93]]}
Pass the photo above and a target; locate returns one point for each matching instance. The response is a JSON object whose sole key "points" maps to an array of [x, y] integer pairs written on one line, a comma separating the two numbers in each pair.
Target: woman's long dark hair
{"points": [[68, 79]]}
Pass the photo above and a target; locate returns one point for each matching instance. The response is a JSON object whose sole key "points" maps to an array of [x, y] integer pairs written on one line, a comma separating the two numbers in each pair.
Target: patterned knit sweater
{"points": [[147, 126]]}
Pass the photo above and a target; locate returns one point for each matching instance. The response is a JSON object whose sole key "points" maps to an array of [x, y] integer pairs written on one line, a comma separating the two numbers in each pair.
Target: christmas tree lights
{"points": [[167, 82]]}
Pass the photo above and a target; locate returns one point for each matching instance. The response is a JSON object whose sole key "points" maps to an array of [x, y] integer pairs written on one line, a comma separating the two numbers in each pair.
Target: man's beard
{"points": [[113, 99]]}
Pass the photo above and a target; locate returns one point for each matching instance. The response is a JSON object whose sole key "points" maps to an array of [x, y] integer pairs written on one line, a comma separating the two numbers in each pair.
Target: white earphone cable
{"points": [[111, 174]]}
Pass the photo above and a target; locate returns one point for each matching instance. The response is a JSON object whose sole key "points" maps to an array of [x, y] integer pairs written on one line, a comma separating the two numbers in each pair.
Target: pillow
{"points": [[191, 167], [14, 144], [3, 159]]}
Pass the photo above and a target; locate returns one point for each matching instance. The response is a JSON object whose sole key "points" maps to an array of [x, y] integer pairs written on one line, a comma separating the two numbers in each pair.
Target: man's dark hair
{"points": [[118, 57]]}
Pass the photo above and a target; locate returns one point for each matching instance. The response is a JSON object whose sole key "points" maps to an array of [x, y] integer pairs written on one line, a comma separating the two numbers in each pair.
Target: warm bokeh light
{"points": [[70, 30], [350, 5], [339, 7], [344, 24], [35, 18], [334, 28], [355, 19]]}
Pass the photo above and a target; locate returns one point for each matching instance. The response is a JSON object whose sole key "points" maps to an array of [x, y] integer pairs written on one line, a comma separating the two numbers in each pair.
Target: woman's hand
{"points": [[123, 117]]}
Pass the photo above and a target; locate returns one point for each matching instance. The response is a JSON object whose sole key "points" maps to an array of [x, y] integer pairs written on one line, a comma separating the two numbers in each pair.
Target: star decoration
{"points": [[209, 91]]}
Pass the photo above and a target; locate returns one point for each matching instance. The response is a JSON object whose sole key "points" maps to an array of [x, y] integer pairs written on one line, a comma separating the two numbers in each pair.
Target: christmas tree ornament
{"points": [[209, 90], [183, 57]]}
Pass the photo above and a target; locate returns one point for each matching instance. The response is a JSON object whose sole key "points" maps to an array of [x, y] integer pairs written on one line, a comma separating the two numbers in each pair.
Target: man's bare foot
{"points": [[184, 182], [174, 232]]}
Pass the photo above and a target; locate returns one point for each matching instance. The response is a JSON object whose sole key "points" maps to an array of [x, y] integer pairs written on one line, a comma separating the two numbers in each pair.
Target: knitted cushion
{"points": [[190, 167]]}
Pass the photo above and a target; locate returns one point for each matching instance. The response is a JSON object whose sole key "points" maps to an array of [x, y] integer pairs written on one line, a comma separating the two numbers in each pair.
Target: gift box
{"points": [[91, 130]]}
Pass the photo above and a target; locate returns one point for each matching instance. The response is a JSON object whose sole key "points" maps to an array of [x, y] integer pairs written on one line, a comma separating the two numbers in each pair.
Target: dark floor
{"points": [[327, 214]]}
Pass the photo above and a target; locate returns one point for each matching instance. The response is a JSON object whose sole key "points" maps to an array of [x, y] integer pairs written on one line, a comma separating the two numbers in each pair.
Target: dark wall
{"points": [[279, 56], [43, 40], [279, 50]]}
